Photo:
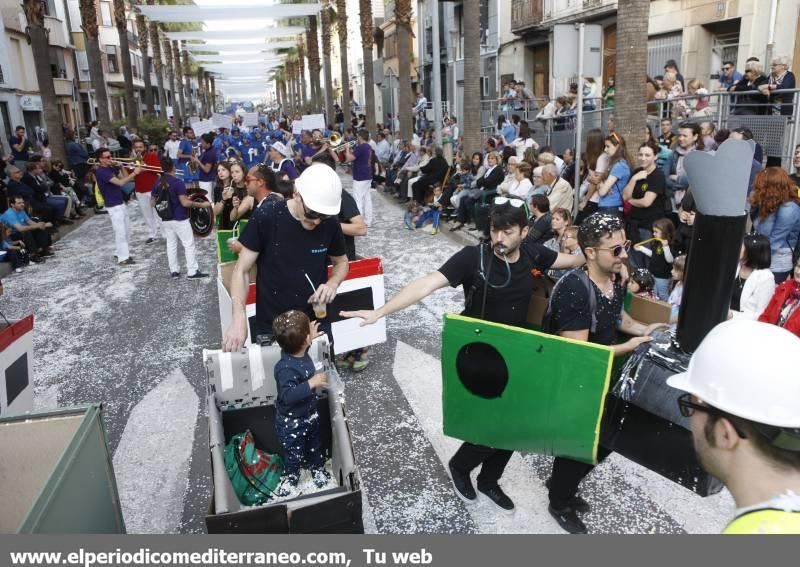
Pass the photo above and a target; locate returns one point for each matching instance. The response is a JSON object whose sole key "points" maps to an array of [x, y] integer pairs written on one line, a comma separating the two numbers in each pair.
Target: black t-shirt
{"points": [[287, 252], [225, 222], [571, 312], [508, 305], [653, 183], [348, 211]]}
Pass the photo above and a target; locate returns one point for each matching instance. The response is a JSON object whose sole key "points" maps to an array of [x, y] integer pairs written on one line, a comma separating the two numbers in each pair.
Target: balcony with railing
{"points": [[56, 32], [526, 14]]}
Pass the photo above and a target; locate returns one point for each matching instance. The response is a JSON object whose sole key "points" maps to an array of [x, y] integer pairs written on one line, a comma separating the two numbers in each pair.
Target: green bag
{"points": [[254, 474]]}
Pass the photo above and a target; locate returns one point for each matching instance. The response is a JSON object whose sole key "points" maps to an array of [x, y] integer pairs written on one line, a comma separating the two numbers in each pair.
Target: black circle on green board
{"points": [[482, 370]]}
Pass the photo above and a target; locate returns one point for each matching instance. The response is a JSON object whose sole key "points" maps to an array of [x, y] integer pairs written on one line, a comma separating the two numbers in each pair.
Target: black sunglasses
{"points": [[688, 407], [618, 249], [314, 215]]}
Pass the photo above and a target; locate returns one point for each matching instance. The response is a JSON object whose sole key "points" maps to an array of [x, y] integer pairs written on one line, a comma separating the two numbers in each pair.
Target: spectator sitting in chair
{"points": [[560, 193], [432, 173], [33, 234]]}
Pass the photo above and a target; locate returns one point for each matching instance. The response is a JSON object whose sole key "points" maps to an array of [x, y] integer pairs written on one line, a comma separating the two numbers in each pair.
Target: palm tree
{"points": [[37, 35], [201, 97], [367, 41], [176, 110], [341, 25], [314, 65], [301, 72], [144, 43], [158, 67], [121, 20], [176, 54], [631, 74], [326, 54], [187, 80], [88, 9], [402, 22], [213, 93], [472, 87]]}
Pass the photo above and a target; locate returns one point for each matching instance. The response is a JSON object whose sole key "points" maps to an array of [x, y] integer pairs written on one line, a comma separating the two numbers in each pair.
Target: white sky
{"points": [[238, 25]]}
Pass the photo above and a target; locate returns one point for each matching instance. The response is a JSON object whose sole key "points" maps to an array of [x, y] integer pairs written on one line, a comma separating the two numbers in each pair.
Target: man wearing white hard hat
{"points": [[743, 398], [290, 242]]}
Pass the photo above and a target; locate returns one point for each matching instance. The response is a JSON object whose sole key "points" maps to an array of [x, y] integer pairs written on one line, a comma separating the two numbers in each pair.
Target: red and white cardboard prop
{"points": [[16, 367], [363, 289]]}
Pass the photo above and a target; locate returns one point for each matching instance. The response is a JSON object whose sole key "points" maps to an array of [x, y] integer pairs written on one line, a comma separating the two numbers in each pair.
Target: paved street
{"points": [[131, 338]]}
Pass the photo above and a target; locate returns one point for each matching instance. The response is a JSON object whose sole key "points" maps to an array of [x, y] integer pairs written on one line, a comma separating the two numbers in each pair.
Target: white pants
{"points": [[363, 197], [208, 187], [120, 222], [411, 186], [150, 216], [180, 230]]}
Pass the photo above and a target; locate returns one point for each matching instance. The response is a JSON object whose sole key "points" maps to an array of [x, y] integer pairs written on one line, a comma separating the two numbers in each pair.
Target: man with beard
{"points": [[741, 394], [506, 302], [574, 314]]}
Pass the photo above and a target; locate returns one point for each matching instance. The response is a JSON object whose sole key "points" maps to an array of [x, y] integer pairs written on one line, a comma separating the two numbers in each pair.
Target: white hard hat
{"points": [[320, 188], [281, 148], [747, 369]]}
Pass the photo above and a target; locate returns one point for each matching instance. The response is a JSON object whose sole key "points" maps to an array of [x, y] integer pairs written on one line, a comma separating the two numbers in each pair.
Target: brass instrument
{"points": [[132, 163], [337, 142], [192, 165]]}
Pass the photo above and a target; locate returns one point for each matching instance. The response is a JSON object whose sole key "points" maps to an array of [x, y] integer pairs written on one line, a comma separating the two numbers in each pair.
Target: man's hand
{"points": [[235, 246], [325, 293], [320, 379], [236, 335], [136, 171], [369, 317], [634, 342], [651, 328]]}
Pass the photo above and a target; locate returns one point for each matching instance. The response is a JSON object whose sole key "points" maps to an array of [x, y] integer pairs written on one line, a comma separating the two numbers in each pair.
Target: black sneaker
{"points": [[36, 259], [462, 483], [577, 503], [496, 495], [149, 240], [127, 262], [198, 275], [568, 519], [100, 212], [321, 478], [175, 275]]}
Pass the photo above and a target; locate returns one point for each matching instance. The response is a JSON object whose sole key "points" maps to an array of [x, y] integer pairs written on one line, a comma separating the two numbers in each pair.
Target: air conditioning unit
{"points": [[484, 87]]}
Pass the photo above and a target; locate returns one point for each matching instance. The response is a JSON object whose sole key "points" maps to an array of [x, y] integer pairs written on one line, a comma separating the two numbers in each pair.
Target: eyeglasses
{"points": [[618, 249], [249, 178], [314, 215], [688, 407]]}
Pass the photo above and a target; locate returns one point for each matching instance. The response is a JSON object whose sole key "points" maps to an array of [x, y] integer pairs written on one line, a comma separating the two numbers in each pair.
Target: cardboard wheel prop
{"points": [[512, 388], [201, 220]]}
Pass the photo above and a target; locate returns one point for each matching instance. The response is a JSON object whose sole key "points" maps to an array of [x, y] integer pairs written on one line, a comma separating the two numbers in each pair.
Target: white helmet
{"points": [[320, 188], [747, 369]]}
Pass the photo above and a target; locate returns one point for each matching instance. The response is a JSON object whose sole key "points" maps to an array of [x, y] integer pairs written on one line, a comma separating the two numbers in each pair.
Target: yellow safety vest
{"points": [[765, 522]]}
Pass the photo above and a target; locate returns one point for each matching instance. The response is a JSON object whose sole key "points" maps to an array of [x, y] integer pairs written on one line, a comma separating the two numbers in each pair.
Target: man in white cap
{"points": [[282, 163], [743, 399], [290, 242]]}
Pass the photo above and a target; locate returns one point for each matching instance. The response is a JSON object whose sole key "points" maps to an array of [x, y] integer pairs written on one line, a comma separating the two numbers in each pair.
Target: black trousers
{"points": [[567, 475], [494, 462], [34, 240]]}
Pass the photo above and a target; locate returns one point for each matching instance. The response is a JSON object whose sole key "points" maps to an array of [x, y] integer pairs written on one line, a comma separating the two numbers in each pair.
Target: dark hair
{"points": [[596, 227], [524, 130], [658, 78], [667, 229], [746, 133], [291, 330], [731, 63], [671, 63], [473, 169], [284, 187], [541, 203], [501, 119], [267, 175], [506, 216], [594, 147], [758, 255], [563, 213], [515, 118], [721, 135], [208, 138], [19, 128], [644, 279], [100, 151], [622, 150], [695, 128], [15, 197], [364, 134], [325, 158], [167, 165], [652, 145], [760, 435]]}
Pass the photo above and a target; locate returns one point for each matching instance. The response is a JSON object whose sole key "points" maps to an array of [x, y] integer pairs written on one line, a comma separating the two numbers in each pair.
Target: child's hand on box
{"points": [[317, 380]]}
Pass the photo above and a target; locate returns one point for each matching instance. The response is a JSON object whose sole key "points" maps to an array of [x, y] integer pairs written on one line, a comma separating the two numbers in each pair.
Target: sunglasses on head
{"points": [[617, 250]]}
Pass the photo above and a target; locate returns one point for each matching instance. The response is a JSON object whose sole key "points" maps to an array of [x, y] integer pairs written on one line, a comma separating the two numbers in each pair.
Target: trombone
{"points": [[132, 163], [334, 142]]}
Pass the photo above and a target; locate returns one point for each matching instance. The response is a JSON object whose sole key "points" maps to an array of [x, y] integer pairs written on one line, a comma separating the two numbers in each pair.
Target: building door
{"points": [[609, 53], [541, 70], [6, 119], [33, 121], [662, 48]]}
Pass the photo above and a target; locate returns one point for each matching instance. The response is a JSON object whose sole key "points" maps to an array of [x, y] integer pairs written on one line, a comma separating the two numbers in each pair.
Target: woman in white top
{"points": [[511, 169], [522, 186], [524, 141], [754, 283]]}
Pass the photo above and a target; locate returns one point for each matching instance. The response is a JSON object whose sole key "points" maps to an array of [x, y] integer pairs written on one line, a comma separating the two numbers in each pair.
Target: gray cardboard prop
{"points": [[719, 180]]}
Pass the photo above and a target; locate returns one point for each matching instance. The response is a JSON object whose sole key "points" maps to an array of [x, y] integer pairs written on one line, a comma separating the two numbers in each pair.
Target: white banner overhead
{"points": [[250, 119], [262, 34], [222, 120], [254, 46], [192, 13], [203, 127]]}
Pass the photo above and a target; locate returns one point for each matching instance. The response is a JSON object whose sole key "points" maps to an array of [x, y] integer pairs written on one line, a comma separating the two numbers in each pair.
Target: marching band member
{"points": [[110, 182], [178, 227], [206, 164], [185, 152], [362, 174], [282, 163], [143, 185]]}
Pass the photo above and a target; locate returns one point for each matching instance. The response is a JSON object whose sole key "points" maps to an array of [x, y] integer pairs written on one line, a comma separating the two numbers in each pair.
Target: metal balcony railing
{"points": [[526, 14]]}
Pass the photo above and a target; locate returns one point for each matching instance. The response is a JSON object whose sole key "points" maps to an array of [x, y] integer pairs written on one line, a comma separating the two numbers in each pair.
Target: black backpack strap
{"points": [[584, 277]]}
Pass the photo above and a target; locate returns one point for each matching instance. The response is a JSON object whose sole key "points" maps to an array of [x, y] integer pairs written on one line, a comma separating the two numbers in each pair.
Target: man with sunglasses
{"points": [[510, 263], [602, 240], [729, 76], [290, 241], [742, 399], [110, 182]]}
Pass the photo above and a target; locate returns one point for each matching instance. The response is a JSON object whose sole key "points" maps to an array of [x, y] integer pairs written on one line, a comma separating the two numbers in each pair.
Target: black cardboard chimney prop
{"points": [[642, 421]]}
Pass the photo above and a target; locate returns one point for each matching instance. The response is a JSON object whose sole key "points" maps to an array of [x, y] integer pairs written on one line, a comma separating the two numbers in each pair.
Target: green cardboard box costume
{"points": [[512, 388], [223, 253]]}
